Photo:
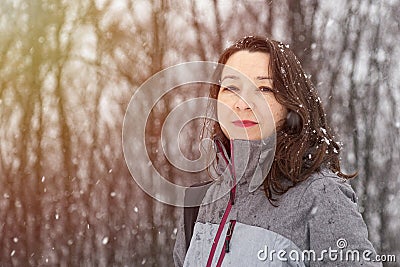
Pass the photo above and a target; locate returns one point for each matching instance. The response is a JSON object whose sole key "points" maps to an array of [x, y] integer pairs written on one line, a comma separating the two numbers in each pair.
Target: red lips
{"points": [[244, 123]]}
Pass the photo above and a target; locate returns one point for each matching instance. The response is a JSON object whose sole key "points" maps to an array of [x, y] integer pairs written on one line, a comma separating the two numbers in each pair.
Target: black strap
{"points": [[193, 196]]}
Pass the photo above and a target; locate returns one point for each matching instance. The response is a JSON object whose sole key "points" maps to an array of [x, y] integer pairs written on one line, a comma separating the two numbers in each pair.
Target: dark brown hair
{"points": [[305, 142]]}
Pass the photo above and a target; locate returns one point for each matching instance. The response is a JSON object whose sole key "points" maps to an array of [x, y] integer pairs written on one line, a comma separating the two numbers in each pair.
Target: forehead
{"points": [[251, 64]]}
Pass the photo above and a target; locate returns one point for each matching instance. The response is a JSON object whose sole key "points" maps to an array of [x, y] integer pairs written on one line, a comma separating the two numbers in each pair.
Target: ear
{"points": [[293, 121]]}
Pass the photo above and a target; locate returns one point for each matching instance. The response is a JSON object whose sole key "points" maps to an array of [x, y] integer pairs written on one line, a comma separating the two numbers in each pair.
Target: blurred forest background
{"points": [[69, 68]]}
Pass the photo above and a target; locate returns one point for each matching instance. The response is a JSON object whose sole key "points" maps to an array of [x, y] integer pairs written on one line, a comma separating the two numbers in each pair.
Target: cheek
{"points": [[225, 105], [225, 98], [278, 111], [223, 111]]}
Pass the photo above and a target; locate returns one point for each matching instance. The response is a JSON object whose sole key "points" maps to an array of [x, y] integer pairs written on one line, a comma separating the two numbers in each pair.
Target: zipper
{"points": [[232, 223], [233, 173], [229, 235], [231, 167]]}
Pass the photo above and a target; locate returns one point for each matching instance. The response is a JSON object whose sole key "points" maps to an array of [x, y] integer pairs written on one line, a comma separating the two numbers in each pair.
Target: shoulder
{"points": [[329, 206], [327, 186]]}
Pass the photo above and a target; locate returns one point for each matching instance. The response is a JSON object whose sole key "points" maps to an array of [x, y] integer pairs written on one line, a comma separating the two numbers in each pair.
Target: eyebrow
{"points": [[230, 77], [260, 78], [257, 78]]}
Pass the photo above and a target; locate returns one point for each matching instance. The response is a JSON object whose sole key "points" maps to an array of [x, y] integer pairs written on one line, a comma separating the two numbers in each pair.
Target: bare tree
{"points": [[69, 69]]}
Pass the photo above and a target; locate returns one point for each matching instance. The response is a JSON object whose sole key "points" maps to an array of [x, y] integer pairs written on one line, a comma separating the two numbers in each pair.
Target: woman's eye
{"points": [[230, 88], [265, 89]]}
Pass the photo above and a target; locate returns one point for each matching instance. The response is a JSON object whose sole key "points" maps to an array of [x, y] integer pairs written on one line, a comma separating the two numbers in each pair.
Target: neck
{"points": [[249, 161]]}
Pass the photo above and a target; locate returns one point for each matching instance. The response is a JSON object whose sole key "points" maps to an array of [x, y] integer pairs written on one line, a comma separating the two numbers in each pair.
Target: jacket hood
{"points": [[249, 161]]}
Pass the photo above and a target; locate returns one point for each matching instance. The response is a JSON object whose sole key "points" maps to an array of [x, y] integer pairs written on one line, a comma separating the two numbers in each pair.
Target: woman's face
{"points": [[247, 108]]}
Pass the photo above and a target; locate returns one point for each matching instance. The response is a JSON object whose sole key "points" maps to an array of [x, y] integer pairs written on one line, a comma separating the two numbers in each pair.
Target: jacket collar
{"points": [[249, 163]]}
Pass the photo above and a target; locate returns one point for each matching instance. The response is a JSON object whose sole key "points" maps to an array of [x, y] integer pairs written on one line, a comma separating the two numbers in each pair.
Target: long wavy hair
{"points": [[304, 142]]}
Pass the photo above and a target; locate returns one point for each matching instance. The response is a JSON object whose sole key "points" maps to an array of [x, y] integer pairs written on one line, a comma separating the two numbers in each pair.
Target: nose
{"points": [[241, 104]]}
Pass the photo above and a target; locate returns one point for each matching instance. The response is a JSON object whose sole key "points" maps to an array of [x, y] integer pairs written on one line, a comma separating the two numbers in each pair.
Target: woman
{"points": [[289, 204]]}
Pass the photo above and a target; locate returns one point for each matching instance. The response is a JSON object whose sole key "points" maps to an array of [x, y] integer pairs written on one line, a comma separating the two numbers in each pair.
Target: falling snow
{"points": [[64, 180], [314, 210], [105, 240]]}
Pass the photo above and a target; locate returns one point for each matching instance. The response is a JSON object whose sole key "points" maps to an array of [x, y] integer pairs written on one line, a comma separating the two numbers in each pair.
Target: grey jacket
{"points": [[316, 223]]}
